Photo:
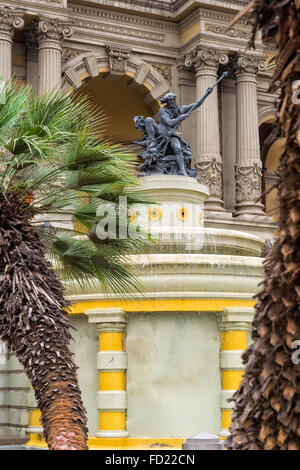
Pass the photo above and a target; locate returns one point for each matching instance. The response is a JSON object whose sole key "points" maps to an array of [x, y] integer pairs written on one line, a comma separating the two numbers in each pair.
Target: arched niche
{"points": [[133, 88]]}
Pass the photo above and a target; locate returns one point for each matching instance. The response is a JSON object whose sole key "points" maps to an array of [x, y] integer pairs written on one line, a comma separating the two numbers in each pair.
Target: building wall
{"points": [[173, 379]]}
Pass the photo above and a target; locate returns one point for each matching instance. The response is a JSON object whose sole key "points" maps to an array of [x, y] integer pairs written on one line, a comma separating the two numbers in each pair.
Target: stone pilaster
{"points": [[10, 20], [248, 165], [234, 324], [112, 366], [50, 34], [208, 159]]}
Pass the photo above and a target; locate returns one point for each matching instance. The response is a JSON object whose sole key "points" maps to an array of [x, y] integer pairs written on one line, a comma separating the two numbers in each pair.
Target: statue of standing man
{"points": [[165, 152]]}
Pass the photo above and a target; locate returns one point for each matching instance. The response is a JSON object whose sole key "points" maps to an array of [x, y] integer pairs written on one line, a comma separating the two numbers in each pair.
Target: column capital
{"points": [[246, 64], [206, 58], [235, 318], [107, 318], [53, 29], [10, 19]]}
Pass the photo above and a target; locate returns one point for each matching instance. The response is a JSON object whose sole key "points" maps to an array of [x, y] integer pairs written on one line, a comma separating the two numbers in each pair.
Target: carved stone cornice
{"points": [[245, 64], [10, 19], [206, 58], [53, 29], [118, 56]]}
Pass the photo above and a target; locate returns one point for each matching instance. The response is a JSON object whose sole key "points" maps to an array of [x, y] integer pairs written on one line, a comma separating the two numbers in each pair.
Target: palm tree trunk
{"points": [[267, 404], [34, 322]]}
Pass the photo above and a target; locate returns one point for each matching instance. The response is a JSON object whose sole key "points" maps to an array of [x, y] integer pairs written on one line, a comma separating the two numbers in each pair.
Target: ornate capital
{"points": [[118, 56], [10, 19], [248, 181], [250, 65], [53, 29], [202, 58]]}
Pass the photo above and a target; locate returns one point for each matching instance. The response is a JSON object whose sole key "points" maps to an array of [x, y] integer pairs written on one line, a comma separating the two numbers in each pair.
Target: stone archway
{"points": [[114, 63]]}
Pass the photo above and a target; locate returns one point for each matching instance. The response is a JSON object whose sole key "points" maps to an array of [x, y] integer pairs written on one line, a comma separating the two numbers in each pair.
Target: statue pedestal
{"points": [[176, 211]]}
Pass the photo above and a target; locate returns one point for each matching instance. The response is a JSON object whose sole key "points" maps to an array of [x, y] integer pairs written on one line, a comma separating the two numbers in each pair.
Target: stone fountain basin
{"points": [[195, 273], [206, 240], [185, 276]]}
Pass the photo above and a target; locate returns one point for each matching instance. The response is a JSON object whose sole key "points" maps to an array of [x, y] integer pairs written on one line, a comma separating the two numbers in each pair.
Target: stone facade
{"points": [[100, 47]]}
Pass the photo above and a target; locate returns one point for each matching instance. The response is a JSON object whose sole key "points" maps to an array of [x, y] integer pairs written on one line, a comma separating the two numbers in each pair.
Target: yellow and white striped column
{"points": [[112, 366], [235, 324]]}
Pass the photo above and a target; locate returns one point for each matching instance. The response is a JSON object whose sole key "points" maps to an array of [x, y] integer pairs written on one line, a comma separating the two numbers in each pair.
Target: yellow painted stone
{"points": [[190, 32], [112, 420], [117, 443], [34, 418], [226, 419], [112, 381], [183, 214], [231, 379], [233, 340], [155, 214], [163, 305], [111, 341]]}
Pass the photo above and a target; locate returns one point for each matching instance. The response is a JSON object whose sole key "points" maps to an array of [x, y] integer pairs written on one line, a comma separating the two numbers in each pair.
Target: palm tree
{"points": [[53, 161], [267, 403]]}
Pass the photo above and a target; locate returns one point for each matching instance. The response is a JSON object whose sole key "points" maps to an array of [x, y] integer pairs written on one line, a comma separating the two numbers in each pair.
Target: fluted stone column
{"points": [[50, 34], [249, 165], [10, 19], [208, 159]]}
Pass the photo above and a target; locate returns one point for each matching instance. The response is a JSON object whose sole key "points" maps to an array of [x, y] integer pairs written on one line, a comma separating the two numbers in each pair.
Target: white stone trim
{"points": [[112, 360], [111, 434], [231, 360], [224, 396], [238, 314], [112, 400], [106, 315], [34, 430]]}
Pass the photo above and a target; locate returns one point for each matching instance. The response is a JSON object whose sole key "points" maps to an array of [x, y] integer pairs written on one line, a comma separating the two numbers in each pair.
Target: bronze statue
{"points": [[165, 152]]}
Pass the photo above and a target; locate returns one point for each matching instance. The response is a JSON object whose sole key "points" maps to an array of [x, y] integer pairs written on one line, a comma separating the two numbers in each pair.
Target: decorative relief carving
{"points": [[246, 64], [248, 181], [224, 31], [53, 29], [164, 69], [120, 31], [68, 54], [210, 173], [118, 56], [10, 19]]}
